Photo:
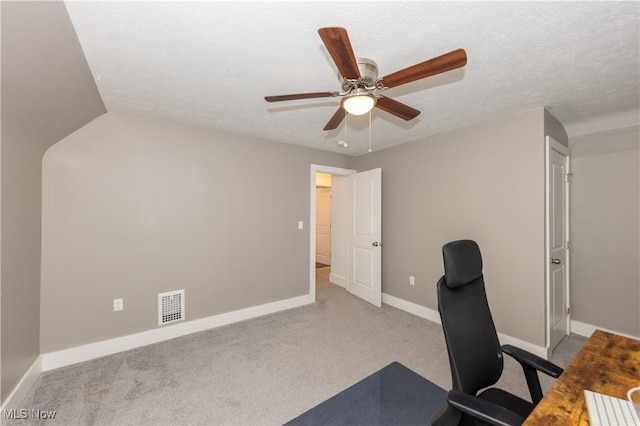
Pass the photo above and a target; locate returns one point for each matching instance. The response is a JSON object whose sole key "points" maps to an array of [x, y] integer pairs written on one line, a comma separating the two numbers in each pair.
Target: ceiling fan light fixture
{"points": [[360, 82], [359, 103]]}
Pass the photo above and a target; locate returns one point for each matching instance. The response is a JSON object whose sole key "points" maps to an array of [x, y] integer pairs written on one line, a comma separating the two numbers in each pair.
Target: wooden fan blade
{"points": [[300, 96], [335, 121], [337, 42], [437, 65], [397, 108]]}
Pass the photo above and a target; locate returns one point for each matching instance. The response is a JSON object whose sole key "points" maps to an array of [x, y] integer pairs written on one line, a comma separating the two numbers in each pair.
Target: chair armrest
{"points": [[484, 410], [532, 360], [531, 364]]}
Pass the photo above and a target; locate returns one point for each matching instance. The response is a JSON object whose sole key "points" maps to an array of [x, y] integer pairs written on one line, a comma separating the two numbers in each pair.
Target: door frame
{"points": [[552, 144], [317, 168]]}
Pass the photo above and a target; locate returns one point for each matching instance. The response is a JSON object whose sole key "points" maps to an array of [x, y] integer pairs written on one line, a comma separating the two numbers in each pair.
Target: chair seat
{"points": [[507, 400]]}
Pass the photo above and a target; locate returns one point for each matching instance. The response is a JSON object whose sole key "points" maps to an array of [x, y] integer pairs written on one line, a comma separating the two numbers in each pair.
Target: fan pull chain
{"points": [[346, 124], [344, 143], [370, 150]]}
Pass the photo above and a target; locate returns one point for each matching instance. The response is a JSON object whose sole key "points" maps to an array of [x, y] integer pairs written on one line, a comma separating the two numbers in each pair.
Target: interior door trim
{"points": [[317, 168]]}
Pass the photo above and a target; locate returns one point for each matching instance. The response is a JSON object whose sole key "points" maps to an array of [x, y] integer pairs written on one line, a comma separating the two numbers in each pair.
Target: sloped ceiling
{"points": [[212, 63]]}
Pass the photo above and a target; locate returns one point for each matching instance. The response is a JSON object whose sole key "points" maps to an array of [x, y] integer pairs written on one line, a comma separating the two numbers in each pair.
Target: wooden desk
{"points": [[607, 363]]}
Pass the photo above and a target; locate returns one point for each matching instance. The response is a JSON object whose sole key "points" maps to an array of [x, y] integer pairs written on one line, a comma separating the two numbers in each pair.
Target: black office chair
{"points": [[474, 351]]}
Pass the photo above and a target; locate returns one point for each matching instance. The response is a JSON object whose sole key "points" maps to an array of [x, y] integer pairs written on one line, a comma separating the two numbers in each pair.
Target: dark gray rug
{"points": [[394, 395]]}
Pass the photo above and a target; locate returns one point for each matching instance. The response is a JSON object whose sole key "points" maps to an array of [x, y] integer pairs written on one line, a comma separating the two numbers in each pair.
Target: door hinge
{"points": [[568, 177], [568, 310], [568, 244]]}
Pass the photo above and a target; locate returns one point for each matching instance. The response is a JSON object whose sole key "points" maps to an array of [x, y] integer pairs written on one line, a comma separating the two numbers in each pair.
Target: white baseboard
{"points": [[90, 351], [434, 316], [412, 308], [586, 330], [582, 328], [338, 280], [541, 351], [20, 391]]}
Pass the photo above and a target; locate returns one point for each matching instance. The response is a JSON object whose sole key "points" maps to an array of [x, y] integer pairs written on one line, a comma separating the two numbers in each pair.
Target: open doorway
{"points": [[328, 236], [323, 220], [323, 234]]}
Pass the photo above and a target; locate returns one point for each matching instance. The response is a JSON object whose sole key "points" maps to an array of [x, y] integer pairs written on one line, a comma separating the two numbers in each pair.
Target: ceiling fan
{"points": [[360, 82]]}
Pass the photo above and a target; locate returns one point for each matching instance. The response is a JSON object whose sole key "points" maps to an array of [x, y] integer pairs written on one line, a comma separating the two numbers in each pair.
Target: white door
{"points": [[364, 264], [323, 225], [557, 242]]}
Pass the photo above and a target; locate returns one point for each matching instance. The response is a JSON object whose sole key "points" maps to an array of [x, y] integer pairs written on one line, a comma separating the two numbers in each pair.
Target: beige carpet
{"points": [[263, 371]]}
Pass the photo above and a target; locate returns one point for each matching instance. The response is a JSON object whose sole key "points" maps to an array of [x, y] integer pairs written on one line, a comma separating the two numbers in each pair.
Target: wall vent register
{"points": [[170, 307]]}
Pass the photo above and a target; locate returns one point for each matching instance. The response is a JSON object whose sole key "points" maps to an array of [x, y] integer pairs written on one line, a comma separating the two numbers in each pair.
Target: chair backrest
{"points": [[472, 342]]}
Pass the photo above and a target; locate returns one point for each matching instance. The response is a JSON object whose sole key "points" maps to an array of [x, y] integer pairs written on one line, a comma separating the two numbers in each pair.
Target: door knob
{"points": [[376, 244], [556, 261]]}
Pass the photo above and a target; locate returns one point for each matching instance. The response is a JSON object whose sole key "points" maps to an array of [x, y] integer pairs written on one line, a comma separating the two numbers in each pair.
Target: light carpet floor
{"points": [[259, 372]]}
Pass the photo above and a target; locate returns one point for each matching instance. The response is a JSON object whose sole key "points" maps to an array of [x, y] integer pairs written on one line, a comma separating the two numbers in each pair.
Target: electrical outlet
{"points": [[412, 280], [118, 304]]}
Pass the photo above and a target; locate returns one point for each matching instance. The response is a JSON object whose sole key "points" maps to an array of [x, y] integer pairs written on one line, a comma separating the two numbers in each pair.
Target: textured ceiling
{"points": [[212, 63]]}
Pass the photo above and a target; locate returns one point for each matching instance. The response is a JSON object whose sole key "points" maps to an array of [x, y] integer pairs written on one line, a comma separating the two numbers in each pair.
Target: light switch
{"points": [[118, 304], [300, 224]]}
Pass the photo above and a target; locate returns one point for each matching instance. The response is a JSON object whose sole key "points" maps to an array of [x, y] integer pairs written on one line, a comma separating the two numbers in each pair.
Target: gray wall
{"points": [[134, 206], [555, 129], [47, 92], [486, 183], [605, 235]]}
